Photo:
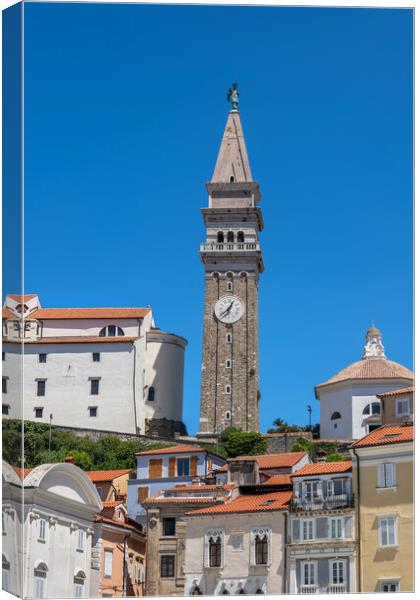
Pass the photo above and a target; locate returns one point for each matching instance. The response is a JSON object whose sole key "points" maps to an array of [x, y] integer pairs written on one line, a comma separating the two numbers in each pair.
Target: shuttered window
{"points": [[183, 466], [167, 565], [193, 465], [108, 563], [142, 494], [171, 467], [386, 475], [155, 468]]}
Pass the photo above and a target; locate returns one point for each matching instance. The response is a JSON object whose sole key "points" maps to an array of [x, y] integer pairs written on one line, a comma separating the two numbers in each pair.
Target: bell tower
{"points": [[232, 262]]}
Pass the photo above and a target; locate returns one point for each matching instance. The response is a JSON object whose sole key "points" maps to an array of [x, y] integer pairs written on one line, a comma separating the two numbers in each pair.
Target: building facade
{"points": [[321, 542], [82, 363], [232, 262], [349, 407], [165, 468], [111, 484], [397, 406], [383, 480]]}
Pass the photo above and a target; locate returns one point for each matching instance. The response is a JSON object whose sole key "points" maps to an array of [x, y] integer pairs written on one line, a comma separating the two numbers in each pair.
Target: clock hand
{"points": [[230, 306]]}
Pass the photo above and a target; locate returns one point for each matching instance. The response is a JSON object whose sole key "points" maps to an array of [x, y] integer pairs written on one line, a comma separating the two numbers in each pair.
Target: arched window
{"points": [[376, 408], [215, 552], [220, 237], [228, 389], [79, 582], [5, 574], [335, 415], [111, 331], [366, 410], [227, 415], [40, 580], [151, 394], [232, 178], [230, 237], [228, 363], [261, 550], [241, 237]]}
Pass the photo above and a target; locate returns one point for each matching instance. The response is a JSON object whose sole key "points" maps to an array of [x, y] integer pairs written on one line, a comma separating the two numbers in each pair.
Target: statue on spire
{"points": [[233, 96]]}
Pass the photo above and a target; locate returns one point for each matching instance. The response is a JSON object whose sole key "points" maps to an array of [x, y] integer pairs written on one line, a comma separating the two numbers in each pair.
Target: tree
{"points": [[302, 444], [334, 457], [281, 426], [244, 443]]}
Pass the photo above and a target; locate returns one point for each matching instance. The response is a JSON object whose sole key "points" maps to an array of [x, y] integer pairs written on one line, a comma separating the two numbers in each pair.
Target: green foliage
{"points": [[108, 452], [334, 457], [281, 426], [313, 447], [244, 443], [218, 449], [303, 444]]}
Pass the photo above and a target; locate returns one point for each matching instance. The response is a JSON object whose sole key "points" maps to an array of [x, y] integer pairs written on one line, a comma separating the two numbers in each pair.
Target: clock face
{"points": [[228, 309]]}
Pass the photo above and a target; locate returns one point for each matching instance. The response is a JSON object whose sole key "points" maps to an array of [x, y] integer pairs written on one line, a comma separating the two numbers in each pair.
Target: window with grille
{"points": [[337, 528], [215, 552], [167, 565], [111, 331], [307, 529], [261, 550], [308, 573]]}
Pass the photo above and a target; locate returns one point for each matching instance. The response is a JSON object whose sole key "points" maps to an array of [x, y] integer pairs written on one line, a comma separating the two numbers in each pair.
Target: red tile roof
{"points": [[273, 461], [323, 468], [90, 313], [102, 476], [220, 470], [177, 500], [278, 480], [180, 449], [75, 340], [22, 473], [387, 434], [132, 525], [200, 488], [7, 314], [407, 390], [112, 503], [245, 504], [20, 298]]}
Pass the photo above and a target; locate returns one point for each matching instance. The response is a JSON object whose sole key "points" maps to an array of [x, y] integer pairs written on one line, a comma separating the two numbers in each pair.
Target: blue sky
{"points": [[125, 107]]}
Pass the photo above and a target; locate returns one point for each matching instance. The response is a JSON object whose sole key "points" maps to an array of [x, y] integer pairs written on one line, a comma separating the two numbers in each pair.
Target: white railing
{"points": [[308, 589], [318, 502], [337, 588], [215, 247]]}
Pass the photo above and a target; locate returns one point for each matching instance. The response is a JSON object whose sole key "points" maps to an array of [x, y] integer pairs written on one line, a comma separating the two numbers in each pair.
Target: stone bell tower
{"points": [[232, 262]]}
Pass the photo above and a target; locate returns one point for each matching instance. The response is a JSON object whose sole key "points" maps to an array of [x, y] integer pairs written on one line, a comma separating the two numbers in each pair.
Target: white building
{"points": [[348, 401], [98, 368], [58, 559]]}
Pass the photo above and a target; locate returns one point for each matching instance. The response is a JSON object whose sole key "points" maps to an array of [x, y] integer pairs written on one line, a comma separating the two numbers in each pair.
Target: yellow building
{"points": [[397, 406], [111, 484], [383, 480]]}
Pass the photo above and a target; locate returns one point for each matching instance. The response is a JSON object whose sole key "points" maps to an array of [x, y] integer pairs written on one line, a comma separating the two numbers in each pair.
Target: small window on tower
{"points": [[230, 237], [220, 237], [229, 338], [228, 389], [232, 178], [227, 415], [229, 286], [228, 364], [240, 237], [151, 394]]}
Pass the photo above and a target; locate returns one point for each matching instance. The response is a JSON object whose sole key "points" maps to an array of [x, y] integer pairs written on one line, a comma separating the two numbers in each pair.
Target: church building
{"points": [[232, 260], [348, 401]]}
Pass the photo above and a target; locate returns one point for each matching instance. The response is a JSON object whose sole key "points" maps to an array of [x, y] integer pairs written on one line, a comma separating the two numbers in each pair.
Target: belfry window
{"points": [[232, 178], [220, 237], [111, 331], [230, 237], [335, 415], [241, 237], [151, 394], [228, 389]]}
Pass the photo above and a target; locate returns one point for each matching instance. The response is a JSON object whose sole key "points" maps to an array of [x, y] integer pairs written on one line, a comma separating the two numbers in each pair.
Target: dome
{"points": [[373, 331], [377, 368]]}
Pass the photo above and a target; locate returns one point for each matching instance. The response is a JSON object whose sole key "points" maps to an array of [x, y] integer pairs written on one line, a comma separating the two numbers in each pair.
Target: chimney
{"points": [[69, 459]]}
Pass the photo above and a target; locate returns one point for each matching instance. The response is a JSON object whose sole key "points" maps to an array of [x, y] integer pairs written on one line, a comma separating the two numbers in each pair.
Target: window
{"points": [[307, 529], [228, 364], [229, 338], [151, 394], [310, 490], [80, 540], [308, 573], [336, 528], [386, 475], [94, 387], [79, 582], [335, 415], [241, 237], [167, 565], [108, 563], [142, 494], [40, 578], [42, 530], [390, 586], [3, 355], [3, 523], [40, 387], [39, 411], [42, 358], [231, 178], [183, 466], [376, 408], [229, 286], [337, 572], [168, 526], [5, 574], [220, 237], [230, 237], [93, 411], [4, 385], [336, 487], [215, 551], [5, 409], [111, 331], [227, 415], [402, 407], [387, 531], [228, 389], [261, 550], [99, 491], [366, 410], [96, 357]]}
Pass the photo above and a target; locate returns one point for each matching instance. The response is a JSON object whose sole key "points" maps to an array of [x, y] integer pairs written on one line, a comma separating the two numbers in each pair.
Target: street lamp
{"points": [[309, 409]]}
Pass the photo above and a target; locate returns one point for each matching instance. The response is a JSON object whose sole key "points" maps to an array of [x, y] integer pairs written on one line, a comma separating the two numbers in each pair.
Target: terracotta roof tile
{"points": [[180, 449], [75, 340], [112, 503], [109, 475], [387, 434], [183, 500], [370, 368], [278, 480], [90, 313], [220, 470], [323, 468], [20, 298], [200, 488], [273, 461], [245, 504], [22, 473], [7, 314], [407, 390]]}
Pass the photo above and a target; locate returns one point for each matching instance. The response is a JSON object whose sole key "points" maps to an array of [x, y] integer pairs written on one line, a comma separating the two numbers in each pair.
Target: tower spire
{"points": [[374, 347]]}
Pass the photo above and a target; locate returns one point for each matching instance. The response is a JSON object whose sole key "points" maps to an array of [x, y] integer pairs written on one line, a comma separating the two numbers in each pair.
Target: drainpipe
{"points": [[285, 560], [359, 544]]}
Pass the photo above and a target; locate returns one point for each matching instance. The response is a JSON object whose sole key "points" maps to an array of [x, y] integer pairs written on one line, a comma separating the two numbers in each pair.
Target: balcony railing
{"points": [[230, 247], [322, 503], [308, 589], [337, 588], [333, 588]]}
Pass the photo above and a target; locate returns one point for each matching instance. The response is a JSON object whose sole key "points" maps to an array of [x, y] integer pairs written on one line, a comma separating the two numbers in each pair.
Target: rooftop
{"points": [[387, 434], [278, 480], [273, 461], [400, 392], [180, 449], [323, 468], [109, 475], [246, 504]]}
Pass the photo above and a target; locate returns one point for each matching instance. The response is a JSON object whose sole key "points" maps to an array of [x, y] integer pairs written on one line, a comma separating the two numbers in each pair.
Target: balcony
{"points": [[321, 503], [230, 247], [333, 588], [337, 588], [308, 589]]}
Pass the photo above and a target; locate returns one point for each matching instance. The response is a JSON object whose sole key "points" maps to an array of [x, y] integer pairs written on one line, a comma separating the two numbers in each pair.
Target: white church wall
{"points": [[87, 327]]}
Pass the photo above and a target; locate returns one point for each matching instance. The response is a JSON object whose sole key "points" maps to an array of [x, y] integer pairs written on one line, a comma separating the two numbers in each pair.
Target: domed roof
{"points": [[373, 365]]}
